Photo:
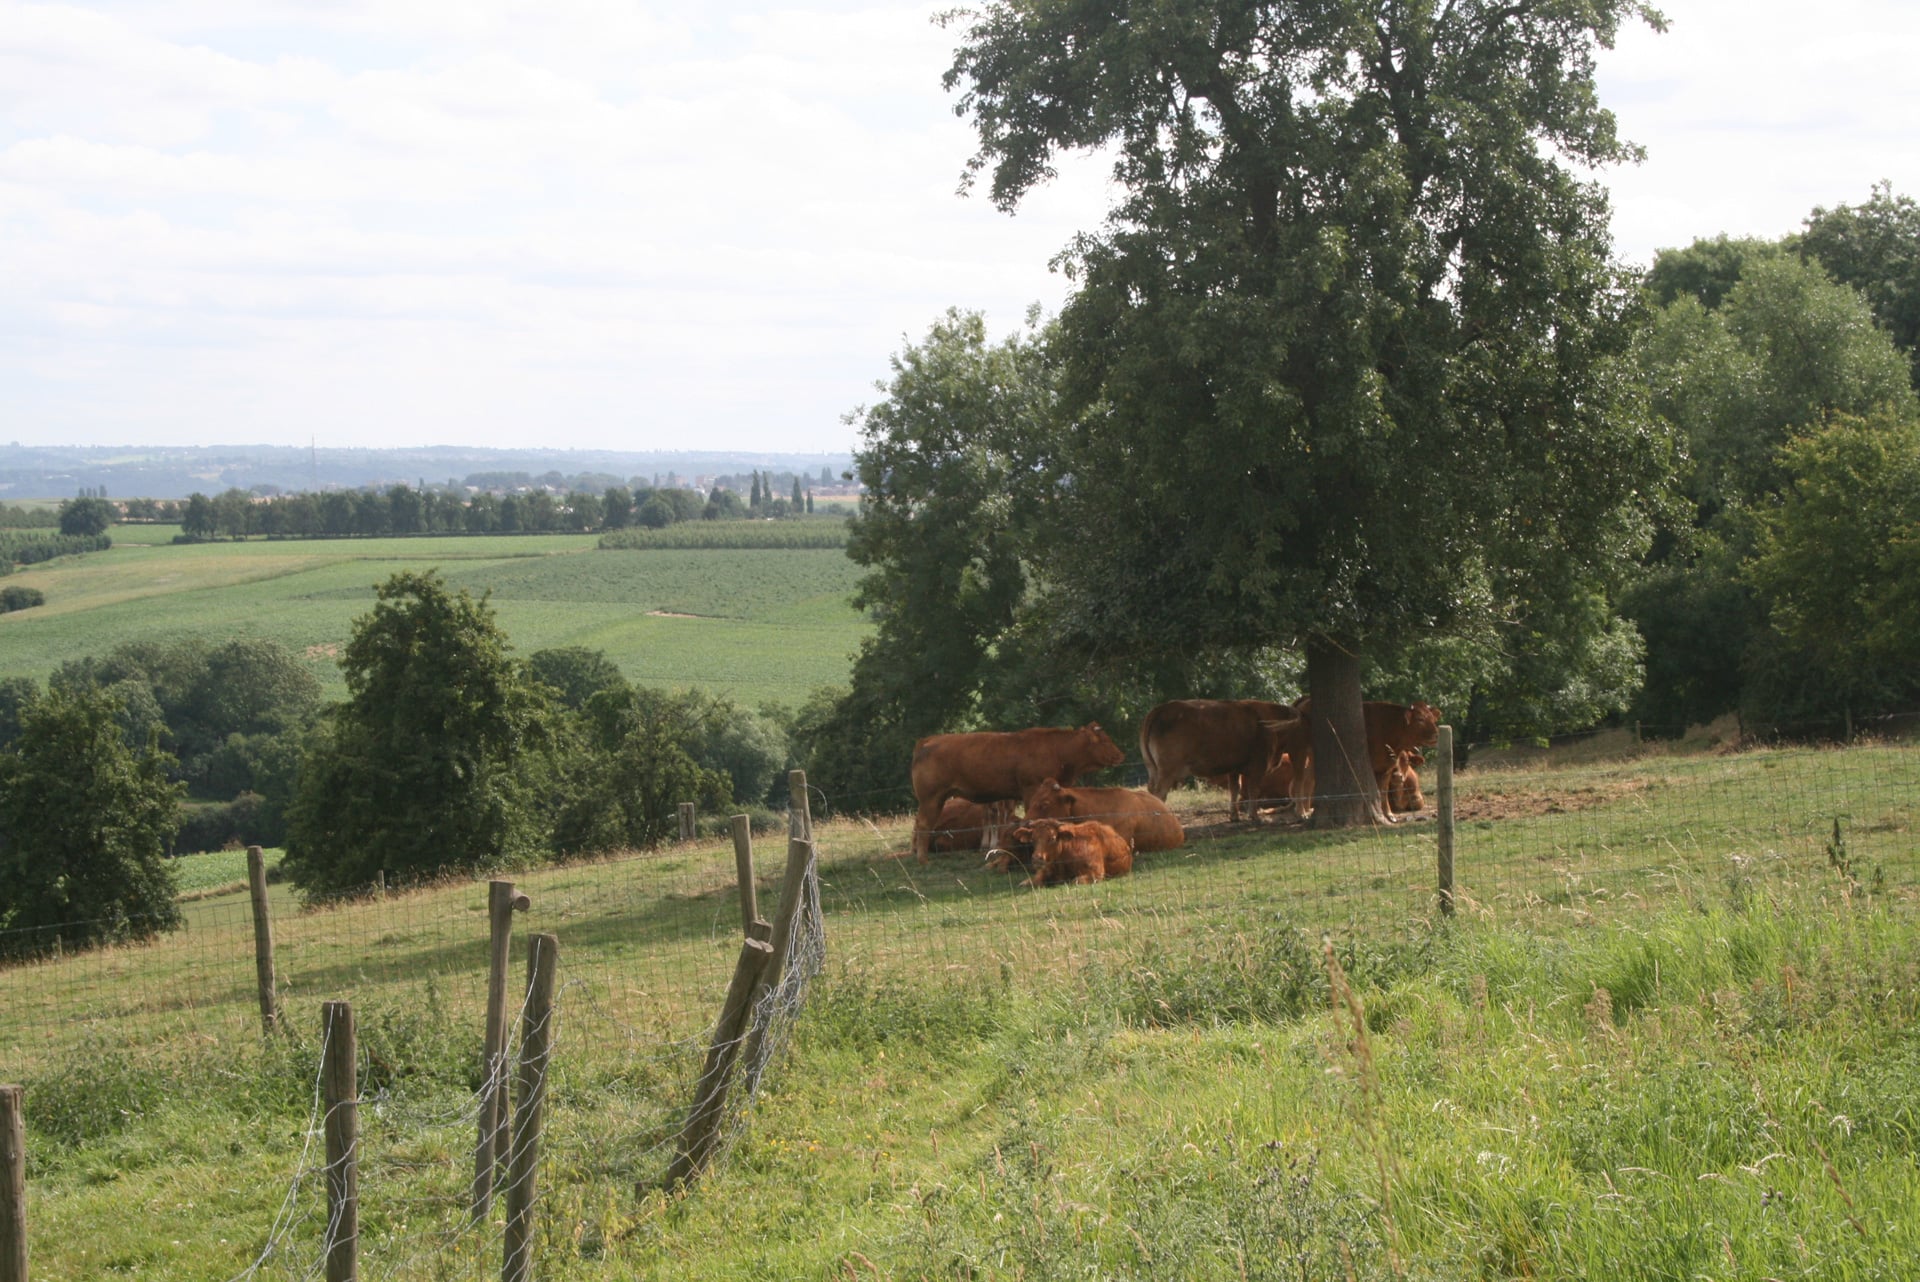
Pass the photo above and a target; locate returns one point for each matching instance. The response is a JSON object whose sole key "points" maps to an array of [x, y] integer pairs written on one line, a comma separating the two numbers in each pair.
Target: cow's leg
{"points": [[1236, 786], [1386, 798], [923, 822]]}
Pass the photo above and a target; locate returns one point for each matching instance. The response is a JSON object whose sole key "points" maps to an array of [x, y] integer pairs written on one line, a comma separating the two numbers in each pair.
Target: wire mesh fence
{"points": [[648, 942]]}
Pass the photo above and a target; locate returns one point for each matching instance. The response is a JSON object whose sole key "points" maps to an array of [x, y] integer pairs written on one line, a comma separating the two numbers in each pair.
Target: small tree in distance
{"points": [[87, 516], [426, 766]]}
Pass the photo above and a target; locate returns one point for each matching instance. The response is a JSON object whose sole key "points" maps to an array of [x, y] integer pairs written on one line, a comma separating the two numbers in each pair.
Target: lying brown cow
{"points": [[1000, 765], [1081, 853], [1140, 817], [1392, 729], [1213, 738], [970, 825]]}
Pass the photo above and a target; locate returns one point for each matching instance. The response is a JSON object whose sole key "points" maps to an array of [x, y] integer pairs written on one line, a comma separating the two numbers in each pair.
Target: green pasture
{"points": [[1674, 1032], [757, 624]]}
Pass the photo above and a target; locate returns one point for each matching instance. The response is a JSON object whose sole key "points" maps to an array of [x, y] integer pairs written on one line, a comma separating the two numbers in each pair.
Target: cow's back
{"points": [[1141, 818], [1218, 737], [998, 765]]}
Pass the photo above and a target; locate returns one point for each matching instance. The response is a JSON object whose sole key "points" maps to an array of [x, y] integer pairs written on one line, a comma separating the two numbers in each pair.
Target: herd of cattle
{"points": [[967, 785]]}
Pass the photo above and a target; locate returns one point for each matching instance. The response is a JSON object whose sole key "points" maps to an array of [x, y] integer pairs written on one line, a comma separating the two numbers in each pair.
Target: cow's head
{"points": [[1045, 837], [1100, 748], [1424, 721], [1049, 800]]}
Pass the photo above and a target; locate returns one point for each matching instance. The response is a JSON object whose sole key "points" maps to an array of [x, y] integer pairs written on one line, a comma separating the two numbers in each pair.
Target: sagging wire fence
{"points": [[650, 946], [420, 1119]]}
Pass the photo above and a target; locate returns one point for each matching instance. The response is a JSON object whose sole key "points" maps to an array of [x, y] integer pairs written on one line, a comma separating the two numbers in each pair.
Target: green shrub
{"points": [[19, 598]]}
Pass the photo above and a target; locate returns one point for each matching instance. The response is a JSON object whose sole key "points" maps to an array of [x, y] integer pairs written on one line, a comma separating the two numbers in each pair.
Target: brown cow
{"points": [[1081, 853], [1142, 818], [1392, 728], [1000, 765], [1212, 738], [1403, 783], [1288, 778], [970, 825]]}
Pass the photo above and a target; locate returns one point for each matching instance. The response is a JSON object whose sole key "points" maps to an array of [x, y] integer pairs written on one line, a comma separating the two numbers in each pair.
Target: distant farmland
{"points": [[757, 624]]}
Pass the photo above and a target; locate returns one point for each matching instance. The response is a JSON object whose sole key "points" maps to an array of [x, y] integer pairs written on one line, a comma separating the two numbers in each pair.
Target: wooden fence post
{"points": [[699, 1136], [799, 806], [743, 864], [341, 1093], [491, 1148], [792, 894], [1444, 834], [686, 821], [262, 939], [13, 1186], [536, 1049]]}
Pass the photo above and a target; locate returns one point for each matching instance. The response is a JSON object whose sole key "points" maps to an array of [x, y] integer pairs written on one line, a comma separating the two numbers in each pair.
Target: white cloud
{"points": [[609, 222]]}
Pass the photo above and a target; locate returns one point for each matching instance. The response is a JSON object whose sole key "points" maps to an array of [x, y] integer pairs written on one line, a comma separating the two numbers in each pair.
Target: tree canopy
{"points": [[1345, 366], [84, 825], [426, 766]]}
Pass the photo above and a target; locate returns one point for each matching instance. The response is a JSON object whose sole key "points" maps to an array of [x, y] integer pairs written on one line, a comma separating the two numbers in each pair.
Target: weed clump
{"points": [[1274, 975]]}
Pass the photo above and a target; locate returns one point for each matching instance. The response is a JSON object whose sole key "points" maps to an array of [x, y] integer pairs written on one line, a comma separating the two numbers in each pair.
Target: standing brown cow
{"points": [[1288, 778], [1082, 853], [1217, 738], [1140, 817], [1000, 765]]}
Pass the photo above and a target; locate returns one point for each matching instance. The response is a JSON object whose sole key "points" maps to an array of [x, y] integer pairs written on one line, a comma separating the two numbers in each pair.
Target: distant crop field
{"points": [[819, 532], [756, 624], [216, 870]]}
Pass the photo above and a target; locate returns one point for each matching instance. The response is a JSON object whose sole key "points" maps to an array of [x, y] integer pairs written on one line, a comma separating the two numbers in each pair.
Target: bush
{"points": [[19, 598], [429, 764], [31, 549], [84, 828]]}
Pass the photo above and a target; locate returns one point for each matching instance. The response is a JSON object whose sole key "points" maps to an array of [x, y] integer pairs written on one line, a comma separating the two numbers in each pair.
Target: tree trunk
{"points": [[1344, 791]]}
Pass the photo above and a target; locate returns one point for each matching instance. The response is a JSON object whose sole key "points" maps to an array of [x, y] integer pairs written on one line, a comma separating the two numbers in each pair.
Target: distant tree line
{"points": [[405, 510], [15, 516]]}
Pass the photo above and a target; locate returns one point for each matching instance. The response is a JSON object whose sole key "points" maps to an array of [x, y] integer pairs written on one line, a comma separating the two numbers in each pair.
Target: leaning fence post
{"points": [[340, 1092], [13, 1186], [793, 893], [262, 939], [699, 1135], [490, 1149], [743, 864], [529, 1114], [686, 821], [1443, 788]]}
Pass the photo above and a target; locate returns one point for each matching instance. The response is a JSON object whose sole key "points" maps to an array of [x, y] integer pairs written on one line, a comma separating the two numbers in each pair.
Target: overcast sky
{"points": [[653, 225]]}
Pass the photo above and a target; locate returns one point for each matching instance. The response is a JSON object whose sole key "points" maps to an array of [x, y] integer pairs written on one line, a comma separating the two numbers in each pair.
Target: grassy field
{"points": [[1674, 1033], [758, 624]]}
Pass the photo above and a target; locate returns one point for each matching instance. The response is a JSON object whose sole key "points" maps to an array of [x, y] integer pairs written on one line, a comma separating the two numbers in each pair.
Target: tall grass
{"points": [[1655, 1044]]}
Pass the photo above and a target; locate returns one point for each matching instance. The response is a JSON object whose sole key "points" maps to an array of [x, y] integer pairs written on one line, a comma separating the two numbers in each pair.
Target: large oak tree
{"points": [[1344, 365]]}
